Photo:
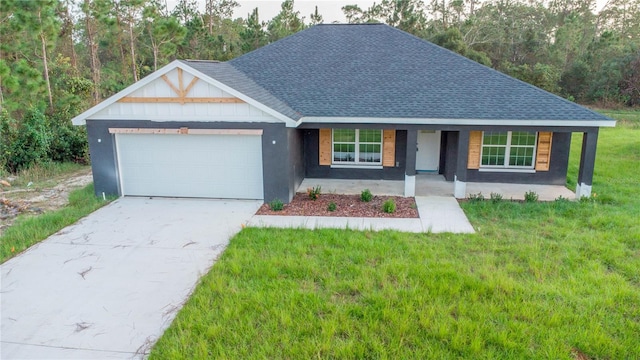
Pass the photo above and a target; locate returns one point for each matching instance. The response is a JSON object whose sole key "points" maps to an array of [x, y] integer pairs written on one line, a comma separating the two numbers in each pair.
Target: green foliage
{"points": [[8, 135], [496, 197], [314, 192], [68, 143], [31, 142], [366, 195], [530, 197], [452, 40], [476, 197], [276, 205], [389, 206], [332, 207]]}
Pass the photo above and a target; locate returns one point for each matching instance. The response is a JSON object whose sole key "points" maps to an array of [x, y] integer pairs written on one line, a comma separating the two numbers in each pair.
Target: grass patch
{"points": [[538, 280], [28, 229], [43, 175]]}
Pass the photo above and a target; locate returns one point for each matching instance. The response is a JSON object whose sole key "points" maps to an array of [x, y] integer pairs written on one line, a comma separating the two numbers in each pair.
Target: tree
{"points": [[285, 23], [253, 35], [162, 31], [315, 17]]}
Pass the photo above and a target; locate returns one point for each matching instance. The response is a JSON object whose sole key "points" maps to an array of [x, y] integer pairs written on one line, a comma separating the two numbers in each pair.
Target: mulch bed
{"points": [[346, 206]]}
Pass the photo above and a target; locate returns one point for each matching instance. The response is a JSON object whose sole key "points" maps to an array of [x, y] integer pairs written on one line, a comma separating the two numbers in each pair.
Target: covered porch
{"points": [[436, 185]]}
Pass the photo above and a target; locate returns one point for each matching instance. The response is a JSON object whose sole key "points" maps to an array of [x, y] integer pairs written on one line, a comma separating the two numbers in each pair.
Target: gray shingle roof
{"points": [[374, 70]]}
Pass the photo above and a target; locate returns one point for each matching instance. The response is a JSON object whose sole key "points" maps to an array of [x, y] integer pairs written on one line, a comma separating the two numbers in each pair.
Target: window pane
{"points": [[369, 153], [494, 138], [344, 152], [521, 156], [370, 135], [493, 155], [344, 135], [523, 138]]}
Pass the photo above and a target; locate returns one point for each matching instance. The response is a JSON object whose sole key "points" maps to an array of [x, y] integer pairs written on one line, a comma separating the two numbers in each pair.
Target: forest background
{"points": [[60, 57]]}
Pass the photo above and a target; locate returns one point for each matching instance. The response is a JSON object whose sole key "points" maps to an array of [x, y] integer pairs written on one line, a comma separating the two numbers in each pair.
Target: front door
{"points": [[428, 155]]}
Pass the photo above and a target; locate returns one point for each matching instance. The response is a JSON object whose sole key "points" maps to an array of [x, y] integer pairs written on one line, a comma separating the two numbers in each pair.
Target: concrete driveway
{"points": [[108, 286]]}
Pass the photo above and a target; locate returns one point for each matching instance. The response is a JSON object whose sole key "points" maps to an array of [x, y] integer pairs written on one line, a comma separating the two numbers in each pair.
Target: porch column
{"points": [[460, 175], [587, 163], [410, 165]]}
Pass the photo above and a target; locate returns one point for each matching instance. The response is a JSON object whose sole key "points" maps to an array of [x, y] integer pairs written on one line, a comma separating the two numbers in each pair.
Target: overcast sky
{"points": [[331, 10]]}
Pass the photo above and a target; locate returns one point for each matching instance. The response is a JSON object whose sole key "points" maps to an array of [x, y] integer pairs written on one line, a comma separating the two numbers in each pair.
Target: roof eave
{"points": [[461, 122]]}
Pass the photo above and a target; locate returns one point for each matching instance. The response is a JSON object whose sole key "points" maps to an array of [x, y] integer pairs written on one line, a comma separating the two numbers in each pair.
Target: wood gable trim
{"points": [[185, 131], [182, 94]]}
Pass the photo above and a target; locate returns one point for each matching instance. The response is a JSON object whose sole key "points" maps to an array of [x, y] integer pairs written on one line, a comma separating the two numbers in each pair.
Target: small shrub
{"points": [[588, 199], [476, 197], [561, 199], [496, 197], [332, 206], [530, 196], [366, 195], [276, 205], [389, 206], [314, 192]]}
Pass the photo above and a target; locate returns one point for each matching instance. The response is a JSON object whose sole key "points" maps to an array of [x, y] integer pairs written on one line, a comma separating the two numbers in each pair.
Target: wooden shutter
{"points": [[543, 154], [325, 147], [475, 149], [389, 148]]}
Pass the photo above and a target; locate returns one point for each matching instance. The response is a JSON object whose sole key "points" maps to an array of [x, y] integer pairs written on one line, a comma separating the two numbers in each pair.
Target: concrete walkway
{"points": [[437, 214], [108, 286]]}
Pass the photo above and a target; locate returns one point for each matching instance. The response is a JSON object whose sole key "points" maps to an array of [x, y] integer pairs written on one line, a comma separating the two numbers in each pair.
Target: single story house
{"points": [[362, 101]]}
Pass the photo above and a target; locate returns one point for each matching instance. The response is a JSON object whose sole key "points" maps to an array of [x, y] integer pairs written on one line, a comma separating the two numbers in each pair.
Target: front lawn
{"points": [[546, 280]]}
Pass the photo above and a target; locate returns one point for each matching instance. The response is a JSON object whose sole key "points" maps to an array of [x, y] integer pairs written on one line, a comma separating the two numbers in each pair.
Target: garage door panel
{"points": [[216, 166]]}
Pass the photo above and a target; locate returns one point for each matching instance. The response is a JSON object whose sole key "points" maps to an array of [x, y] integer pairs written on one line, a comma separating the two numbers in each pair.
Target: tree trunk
{"points": [[45, 63], [120, 41], [133, 47], [93, 51]]}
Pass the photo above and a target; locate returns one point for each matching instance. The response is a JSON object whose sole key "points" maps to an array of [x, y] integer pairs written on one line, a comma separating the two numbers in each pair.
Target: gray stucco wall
{"points": [[296, 160], [315, 170], [275, 156], [557, 174]]}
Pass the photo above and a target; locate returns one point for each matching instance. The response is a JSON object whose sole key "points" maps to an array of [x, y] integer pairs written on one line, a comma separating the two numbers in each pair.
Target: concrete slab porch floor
{"points": [[436, 185]]}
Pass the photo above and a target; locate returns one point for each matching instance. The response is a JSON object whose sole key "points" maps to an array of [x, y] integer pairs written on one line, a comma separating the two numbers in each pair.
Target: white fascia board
{"points": [[471, 122], [81, 119]]}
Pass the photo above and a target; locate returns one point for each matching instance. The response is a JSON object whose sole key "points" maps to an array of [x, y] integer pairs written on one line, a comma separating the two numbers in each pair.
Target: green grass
{"points": [[43, 175], [552, 280], [29, 230]]}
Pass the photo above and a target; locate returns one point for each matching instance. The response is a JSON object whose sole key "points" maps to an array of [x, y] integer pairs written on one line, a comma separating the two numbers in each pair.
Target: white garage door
{"points": [[210, 166]]}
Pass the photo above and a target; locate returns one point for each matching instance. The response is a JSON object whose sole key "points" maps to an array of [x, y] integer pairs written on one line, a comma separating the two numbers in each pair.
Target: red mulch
{"points": [[346, 206]]}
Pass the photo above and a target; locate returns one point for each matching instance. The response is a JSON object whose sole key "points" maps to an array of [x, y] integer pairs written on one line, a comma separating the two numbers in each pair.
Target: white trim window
{"points": [[508, 149], [356, 147]]}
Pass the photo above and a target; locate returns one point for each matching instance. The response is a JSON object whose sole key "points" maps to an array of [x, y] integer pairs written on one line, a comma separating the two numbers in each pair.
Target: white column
{"points": [[409, 185], [459, 189], [583, 190]]}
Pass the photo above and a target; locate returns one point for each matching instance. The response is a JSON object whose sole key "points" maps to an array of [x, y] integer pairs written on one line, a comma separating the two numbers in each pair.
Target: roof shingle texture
{"points": [[374, 70]]}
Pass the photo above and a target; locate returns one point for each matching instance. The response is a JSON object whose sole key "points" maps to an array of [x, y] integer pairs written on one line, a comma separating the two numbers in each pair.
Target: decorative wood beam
{"points": [[190, 86], [185, 131], [181, 84], [173, 87], [181, 100]]}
